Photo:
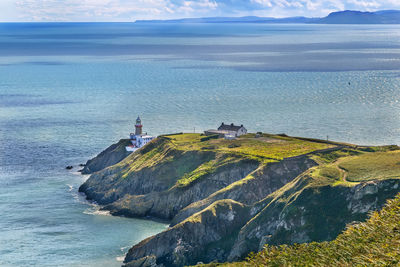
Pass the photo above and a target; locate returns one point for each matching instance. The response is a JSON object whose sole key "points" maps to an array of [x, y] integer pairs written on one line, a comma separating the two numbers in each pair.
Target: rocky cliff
{"points": [[112, 155], [226, 198]]}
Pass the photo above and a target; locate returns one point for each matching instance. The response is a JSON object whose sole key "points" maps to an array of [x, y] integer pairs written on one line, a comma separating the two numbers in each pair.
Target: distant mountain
{"points": [[341, 17], [357, 17]]}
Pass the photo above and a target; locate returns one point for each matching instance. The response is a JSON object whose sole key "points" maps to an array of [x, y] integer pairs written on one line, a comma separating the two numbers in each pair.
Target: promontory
{"points": [[227, 198]]}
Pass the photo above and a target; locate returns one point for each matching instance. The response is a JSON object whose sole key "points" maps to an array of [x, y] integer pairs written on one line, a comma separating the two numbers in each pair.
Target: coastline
{"points": [[94, 209]]}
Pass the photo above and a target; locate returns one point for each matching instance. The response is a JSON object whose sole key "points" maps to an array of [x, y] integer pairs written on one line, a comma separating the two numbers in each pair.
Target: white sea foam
{"points": [[71, 187], [124, 248], [94, 209], [120, 258]]}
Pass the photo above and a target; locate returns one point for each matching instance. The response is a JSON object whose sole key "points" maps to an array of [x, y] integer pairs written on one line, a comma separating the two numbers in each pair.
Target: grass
{"points": [[206, 168], [266, 147], [323, 158], [329, 172], [350, 167], [375, 242], [372, 166], [152, 157]]}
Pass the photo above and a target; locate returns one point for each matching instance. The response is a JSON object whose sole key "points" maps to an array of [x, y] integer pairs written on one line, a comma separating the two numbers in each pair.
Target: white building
{"points": [[228, 131], [233, 129], [138, 139]]}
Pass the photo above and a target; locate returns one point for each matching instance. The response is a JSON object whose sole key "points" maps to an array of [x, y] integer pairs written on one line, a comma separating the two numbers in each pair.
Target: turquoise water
{"points": [[67, 91]]}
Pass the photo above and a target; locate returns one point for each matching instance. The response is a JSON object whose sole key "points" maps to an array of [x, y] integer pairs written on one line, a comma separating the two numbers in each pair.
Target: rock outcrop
{"points": [[112, 155]]}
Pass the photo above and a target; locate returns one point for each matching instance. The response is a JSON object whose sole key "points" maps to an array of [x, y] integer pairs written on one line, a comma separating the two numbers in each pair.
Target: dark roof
{"points": [[229, 127]]}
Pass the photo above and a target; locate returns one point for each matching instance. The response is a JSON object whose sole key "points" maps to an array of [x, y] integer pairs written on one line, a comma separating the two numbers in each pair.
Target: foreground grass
{"points": [[373, 243]]}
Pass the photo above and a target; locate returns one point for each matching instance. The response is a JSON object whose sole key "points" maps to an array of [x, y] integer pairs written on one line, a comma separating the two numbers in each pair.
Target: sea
{"points": [[69, 90]]}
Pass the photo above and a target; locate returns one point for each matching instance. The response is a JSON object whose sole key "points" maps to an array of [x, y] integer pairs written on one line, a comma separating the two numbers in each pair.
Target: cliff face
{"points": [[189, 241], [316, 214], [112, 155], [226, 198], [254, 187], [371, 243]]}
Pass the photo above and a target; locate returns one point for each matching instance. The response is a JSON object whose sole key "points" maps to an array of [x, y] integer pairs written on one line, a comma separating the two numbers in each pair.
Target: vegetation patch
{"points": [[335, 155], [206, 169]]}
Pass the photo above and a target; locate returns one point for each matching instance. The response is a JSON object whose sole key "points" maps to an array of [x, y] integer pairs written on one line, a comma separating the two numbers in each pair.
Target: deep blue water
{"points": [[67, 91]]}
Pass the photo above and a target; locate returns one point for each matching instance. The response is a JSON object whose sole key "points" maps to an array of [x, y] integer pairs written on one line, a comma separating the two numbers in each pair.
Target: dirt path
{"points": [[343, 173]]}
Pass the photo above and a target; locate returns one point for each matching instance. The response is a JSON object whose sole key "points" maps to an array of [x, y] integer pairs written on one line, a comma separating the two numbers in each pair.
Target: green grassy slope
{"points": [[351, 166], [265, 146], [264, 149]]}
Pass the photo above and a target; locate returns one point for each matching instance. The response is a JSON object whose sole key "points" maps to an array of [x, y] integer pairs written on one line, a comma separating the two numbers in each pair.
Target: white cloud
{"points": [[365, 4], [129, 10], [90, 9]]}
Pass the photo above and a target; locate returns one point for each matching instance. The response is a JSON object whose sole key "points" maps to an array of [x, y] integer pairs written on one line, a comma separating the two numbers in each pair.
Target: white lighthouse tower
{"points": [[138, 139]]}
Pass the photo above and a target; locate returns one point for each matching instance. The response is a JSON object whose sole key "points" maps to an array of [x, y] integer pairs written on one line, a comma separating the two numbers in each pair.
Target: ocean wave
{"points": [[93, 207]]}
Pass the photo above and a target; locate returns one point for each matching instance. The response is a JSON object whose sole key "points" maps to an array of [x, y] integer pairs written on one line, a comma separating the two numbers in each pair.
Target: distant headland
{"points": [[340, 17]]}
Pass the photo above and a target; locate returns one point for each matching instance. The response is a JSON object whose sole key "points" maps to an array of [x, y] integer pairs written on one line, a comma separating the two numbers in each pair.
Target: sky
{"points": [[131, 10]]}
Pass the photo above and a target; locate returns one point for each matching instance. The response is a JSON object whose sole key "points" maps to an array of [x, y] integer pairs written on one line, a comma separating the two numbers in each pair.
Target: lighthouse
{"points": [[138, 139], [138, 126]]}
